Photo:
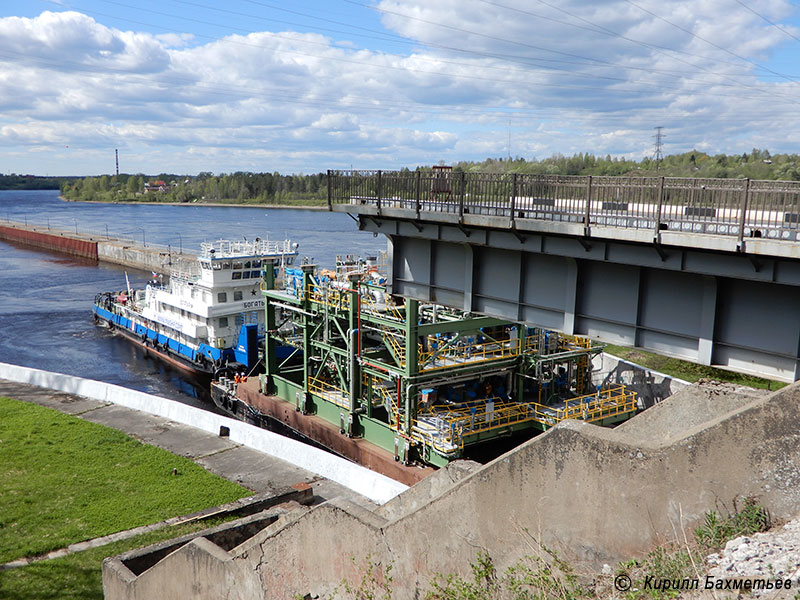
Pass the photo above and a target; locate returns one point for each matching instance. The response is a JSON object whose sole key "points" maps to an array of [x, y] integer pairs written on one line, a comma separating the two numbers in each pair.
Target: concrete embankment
{"points": [[595, 495], [126, 253]]}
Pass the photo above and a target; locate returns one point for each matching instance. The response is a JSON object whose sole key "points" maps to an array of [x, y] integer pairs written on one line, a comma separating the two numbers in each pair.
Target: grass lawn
{"points": [[689, 371], [66, 480], [78, 576]]}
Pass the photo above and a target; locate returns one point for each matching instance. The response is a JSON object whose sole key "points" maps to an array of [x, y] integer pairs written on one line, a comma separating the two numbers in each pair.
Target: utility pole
{"points": [[658, 156]]}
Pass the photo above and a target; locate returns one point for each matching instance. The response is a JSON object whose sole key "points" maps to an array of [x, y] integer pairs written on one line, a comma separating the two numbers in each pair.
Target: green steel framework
{"points": [[373, 366]]}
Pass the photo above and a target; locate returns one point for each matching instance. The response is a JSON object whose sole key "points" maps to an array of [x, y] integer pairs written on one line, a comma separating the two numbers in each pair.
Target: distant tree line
{"points": [[240, 187], [274, 188], [32, 182], [757, 164]]}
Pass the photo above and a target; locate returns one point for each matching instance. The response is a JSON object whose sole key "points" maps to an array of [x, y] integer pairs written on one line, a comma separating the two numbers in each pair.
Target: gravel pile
{"points": [[771, 556]]}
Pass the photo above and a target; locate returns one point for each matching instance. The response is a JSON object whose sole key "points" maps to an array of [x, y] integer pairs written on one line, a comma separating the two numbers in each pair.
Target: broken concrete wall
{"points": [[593, 494]]}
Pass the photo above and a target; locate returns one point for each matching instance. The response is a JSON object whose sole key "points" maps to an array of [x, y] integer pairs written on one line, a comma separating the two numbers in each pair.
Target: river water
{"points": [[46, 298]]}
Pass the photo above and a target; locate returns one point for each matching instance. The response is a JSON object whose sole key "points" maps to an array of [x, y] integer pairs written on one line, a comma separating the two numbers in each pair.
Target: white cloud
{"points": [[303, 101]]}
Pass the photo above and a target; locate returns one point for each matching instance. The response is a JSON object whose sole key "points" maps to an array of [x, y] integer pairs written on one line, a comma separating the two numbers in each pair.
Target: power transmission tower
{"points": [[658, 156]]}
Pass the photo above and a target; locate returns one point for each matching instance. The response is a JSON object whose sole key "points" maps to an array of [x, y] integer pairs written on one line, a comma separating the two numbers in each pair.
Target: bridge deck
{"points": [[738, 209]]}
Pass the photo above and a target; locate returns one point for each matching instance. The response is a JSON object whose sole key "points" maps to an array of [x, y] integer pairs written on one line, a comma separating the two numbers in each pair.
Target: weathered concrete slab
{"points": [[594, 495], [150, 429], [62, 401]]}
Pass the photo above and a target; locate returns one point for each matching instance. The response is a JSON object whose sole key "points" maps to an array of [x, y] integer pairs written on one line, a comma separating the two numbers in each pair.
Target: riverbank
{"points": [[317, 207]]}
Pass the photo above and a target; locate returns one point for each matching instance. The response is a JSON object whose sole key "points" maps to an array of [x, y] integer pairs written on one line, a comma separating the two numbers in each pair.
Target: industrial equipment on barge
{"points": [[425, 382]]}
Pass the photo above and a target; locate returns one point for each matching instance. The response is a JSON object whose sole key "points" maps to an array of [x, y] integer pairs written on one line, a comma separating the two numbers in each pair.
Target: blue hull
{"points": [[204, 360]]}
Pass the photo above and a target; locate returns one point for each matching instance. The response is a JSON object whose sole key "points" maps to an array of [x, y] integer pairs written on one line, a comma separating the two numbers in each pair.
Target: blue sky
{"points": [[265, 85]]}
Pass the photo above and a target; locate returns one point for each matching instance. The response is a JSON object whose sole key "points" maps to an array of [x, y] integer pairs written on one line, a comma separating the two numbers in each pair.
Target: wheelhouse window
{"points": [[255, 274], [236, 275], [245, 274]]}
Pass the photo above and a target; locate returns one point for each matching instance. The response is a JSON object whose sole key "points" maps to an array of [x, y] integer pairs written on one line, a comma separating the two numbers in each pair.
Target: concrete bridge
{"points": [[707, 270]]}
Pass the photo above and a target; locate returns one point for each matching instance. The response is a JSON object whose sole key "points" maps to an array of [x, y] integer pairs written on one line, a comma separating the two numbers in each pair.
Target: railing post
{"points": [[587, 215], [330, 190], [379, 191], [461, 193], [657, 231], [512, 223], [743, 213], [418, 185]]}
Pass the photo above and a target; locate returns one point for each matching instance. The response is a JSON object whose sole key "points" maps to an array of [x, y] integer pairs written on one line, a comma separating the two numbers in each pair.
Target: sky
{"points": [[185, 86]]}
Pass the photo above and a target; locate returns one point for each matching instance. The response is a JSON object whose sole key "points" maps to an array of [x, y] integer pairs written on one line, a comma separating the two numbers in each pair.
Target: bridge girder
{"points": [[714, 306]]}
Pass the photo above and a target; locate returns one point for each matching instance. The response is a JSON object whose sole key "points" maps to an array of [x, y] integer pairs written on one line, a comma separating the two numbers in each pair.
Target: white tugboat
{"points": [[211, 313]]}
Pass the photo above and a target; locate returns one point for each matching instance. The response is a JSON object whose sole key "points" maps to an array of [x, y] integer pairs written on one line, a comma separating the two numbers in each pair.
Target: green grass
{"points": [[689, 371], [78, 576], [66, 480]]}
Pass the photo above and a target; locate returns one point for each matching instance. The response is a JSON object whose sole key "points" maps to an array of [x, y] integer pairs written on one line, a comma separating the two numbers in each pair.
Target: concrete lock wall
{"points": [[374, 486], [595, 495], [50, 241], [158, 260]]}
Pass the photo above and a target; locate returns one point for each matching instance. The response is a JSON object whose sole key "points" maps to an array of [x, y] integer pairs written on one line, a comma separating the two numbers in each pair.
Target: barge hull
{"points": [[322, 432]]}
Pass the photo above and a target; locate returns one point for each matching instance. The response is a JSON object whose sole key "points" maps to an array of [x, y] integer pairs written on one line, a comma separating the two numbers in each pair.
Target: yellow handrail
{"points": [[339, 299], [329, 392], [465, 352], [458, 422]]}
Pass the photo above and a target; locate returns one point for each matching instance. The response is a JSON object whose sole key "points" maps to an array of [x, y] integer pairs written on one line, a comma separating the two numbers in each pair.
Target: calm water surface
{"points": [[46, 298]]}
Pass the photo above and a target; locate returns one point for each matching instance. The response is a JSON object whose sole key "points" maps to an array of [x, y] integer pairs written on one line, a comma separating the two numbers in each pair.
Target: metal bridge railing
{"points": [[734, 207]]}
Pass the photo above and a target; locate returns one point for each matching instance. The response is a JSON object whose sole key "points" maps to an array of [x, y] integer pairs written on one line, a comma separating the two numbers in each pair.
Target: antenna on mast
{"points": [[116, 158]]}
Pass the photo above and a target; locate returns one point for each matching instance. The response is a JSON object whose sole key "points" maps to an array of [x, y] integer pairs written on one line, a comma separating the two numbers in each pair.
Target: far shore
{"points": [[236, 204]]}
